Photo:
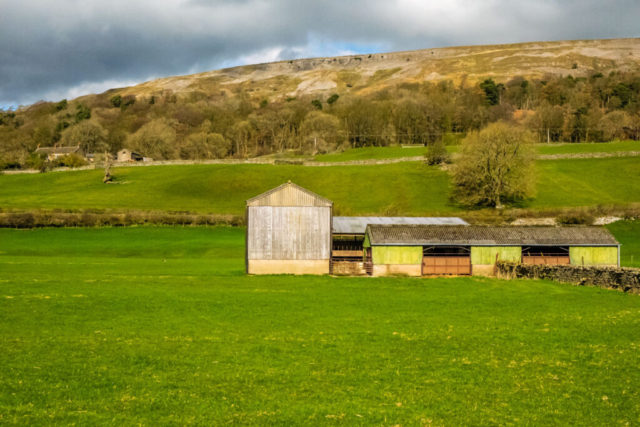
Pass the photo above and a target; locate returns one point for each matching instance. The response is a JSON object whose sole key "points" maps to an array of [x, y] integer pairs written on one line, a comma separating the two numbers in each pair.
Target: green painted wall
{"points": [[397, 255], [486, 255], [593, 255], [366, 243]]}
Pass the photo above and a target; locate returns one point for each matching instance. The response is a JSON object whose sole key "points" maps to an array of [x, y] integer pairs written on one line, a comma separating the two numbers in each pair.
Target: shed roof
{"points": [[57, 150], [358, 224], [489, 236], [289, 194]]}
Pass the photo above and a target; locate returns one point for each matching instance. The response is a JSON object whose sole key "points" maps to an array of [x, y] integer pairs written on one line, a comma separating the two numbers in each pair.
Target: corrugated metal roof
{"points": [[289, 194], [358, 224], [484, 235]]}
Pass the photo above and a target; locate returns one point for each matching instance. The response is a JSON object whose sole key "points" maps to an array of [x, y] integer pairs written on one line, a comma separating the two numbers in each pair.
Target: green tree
{"points": [[155, 139], [116, 101], [42, 135], [62, 105], [436, 153], [317, 103], [88, 134], [495, 164], [82, 113], [333, 99], [491, 91], [203, 145]]}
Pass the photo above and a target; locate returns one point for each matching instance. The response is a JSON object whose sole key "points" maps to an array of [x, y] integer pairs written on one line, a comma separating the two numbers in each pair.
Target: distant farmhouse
{"points": [[291, 230], [126, 155], [54, 152]]}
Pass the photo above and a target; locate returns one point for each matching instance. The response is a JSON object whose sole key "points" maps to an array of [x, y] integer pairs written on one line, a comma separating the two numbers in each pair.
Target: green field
{"points": [[404, 188], [159, 326], [395, 152], [604, 147], [373, 153]]}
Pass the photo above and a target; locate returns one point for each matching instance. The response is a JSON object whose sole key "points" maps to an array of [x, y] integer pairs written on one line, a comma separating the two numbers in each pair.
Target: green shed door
{"points": [[398, 255], [487, 255], [593, 255]]}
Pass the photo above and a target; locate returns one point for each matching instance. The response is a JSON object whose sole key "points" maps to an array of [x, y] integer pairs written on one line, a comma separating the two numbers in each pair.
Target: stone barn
{"points": [[126, 155], [288, 232]]}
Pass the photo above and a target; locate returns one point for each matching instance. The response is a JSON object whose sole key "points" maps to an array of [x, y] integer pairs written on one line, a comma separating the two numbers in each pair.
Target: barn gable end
{"points": [[289, 194], [288, 232]]}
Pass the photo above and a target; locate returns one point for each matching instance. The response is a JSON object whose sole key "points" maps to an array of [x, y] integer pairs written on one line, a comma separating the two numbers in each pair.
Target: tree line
{"points": [[199, 125]]}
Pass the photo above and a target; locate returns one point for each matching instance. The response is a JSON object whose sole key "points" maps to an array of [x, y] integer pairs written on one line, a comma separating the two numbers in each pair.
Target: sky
{"points": [[50, 50]]}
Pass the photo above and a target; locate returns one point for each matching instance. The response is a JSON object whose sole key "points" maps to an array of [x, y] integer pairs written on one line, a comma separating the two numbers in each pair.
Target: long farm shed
{"points": [[418, 250], [291, 230]]}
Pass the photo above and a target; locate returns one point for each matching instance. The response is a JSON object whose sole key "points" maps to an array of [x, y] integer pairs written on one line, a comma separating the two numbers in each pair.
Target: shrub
{"points": [[436, 153], [71, 161], [116, 101], [38, 162], [62, 105], [82, 113], [580, 218]]}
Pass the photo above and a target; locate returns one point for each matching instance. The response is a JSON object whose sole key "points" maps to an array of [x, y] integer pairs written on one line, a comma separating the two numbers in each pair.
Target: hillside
{"points": [[572, 91], [363, 74]]}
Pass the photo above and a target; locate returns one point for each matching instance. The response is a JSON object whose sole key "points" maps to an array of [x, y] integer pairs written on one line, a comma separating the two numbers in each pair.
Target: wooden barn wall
{"points": [[289, 233], [289, 196]]}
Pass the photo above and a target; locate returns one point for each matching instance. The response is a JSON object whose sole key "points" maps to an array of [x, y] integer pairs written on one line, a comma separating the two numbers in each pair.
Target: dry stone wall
{"points": [[347, 268], [621, 279]]}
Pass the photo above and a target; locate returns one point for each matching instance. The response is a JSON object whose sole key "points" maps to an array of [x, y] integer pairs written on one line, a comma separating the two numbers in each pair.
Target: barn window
{"points": [[551, 255], [347, 246]]}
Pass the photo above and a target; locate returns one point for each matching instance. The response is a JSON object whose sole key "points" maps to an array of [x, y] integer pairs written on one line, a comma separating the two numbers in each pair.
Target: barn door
{"points": [[446, 261]]}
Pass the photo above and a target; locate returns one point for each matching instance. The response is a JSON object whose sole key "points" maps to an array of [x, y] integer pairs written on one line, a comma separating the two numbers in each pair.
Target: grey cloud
{"points": [[49, 48]]}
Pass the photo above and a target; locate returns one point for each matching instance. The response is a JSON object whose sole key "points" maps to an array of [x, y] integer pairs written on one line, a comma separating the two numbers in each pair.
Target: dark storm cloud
{"points": [[50, 50]]}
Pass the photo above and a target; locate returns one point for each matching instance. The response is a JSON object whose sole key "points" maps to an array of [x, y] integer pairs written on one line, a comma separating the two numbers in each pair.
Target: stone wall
{"points": [[622, 279], [347, 268]]}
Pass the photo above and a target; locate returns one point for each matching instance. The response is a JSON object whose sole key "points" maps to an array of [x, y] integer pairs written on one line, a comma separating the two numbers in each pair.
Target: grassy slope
{"points": [[395, 152], [584, 182], [158, 326], [411, 188], [628, 234], [605, 147], [224, 189], [372, 153]]}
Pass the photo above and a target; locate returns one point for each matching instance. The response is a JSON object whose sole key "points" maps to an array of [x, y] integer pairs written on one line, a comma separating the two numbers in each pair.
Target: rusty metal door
{"points": [[546, 260], [446, 265]]}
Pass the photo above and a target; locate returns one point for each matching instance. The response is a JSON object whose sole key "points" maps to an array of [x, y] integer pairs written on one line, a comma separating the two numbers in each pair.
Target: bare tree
{"points": [[107, 168], [495, 164]]}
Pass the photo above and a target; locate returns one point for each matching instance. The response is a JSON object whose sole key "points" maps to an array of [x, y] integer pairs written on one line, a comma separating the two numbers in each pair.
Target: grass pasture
{"points": [[410, 188], [159, 326], [554, 148]]}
